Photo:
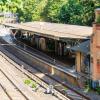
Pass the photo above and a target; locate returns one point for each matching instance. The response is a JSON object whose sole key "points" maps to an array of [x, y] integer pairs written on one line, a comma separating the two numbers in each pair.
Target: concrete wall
{"points": [[65, 77]]}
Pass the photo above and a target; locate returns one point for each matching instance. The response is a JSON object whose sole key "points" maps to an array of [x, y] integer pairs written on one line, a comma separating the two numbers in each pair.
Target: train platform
{"points": [[5, 34]]}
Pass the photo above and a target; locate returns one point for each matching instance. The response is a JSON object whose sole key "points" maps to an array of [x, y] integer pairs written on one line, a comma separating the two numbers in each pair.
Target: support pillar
{"points": [[52, 71], [56, 47], [14, 32], [28, 35], [78, 61]]}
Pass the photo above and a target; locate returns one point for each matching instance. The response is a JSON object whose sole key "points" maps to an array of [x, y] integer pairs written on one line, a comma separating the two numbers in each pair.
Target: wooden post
{"points": [[52, 71], [78, 61], [55, 47]]}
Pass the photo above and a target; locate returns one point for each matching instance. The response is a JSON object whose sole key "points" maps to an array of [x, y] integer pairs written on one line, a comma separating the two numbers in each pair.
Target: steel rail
{"points": [[6, 92], [14, 84]]}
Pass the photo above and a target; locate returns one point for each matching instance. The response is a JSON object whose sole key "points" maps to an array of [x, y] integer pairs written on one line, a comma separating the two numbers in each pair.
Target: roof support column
{"points": [[52, 71], [56, 47], [78, 61], [14, 32]]}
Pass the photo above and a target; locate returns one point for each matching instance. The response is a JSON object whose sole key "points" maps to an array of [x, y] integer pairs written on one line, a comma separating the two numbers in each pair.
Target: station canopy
{"points": [[54, 30], [83, 47]]}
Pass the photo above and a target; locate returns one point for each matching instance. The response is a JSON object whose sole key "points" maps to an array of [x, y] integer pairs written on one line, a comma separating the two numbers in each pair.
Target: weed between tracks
{"points": [[31, 83]]}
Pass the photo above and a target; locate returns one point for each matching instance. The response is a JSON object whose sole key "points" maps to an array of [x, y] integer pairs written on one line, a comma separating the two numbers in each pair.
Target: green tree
{"points": [[78, 12], [61, 11], [70, 12], [37, 12], [27, 9], [52, 10]]}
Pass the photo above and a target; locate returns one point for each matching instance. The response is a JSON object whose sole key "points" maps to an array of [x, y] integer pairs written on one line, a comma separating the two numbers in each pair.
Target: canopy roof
{"points": [[55, 30], [83, 47]]}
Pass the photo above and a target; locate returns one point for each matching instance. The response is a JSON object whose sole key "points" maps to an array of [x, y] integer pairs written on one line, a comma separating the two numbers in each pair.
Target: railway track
{"points": [[14, 85], [34, 77], [41, 82], [58, 89], [17, 71], [38, 53], [7, 94]]}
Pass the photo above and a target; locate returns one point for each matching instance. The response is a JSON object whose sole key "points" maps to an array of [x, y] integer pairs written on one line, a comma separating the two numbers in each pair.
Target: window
{"points": [[91, 60], [98, 62]]}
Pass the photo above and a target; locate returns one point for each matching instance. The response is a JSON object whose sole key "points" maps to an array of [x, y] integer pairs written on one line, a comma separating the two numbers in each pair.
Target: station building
{"points": [[8, 17], [77, 47], [95, 48]]}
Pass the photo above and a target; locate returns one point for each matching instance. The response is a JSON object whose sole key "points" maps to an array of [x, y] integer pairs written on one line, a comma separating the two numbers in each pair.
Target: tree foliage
{"points": [[52, 10], [79, 12]]}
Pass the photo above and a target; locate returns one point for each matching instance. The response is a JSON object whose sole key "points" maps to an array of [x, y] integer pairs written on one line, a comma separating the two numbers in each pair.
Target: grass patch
{"points": [[31, 83], [65, 89], [34, 85], [27, 81]]}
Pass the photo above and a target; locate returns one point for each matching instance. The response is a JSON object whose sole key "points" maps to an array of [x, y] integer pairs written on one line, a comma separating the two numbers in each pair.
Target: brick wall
{"points": [[95, 48]]}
